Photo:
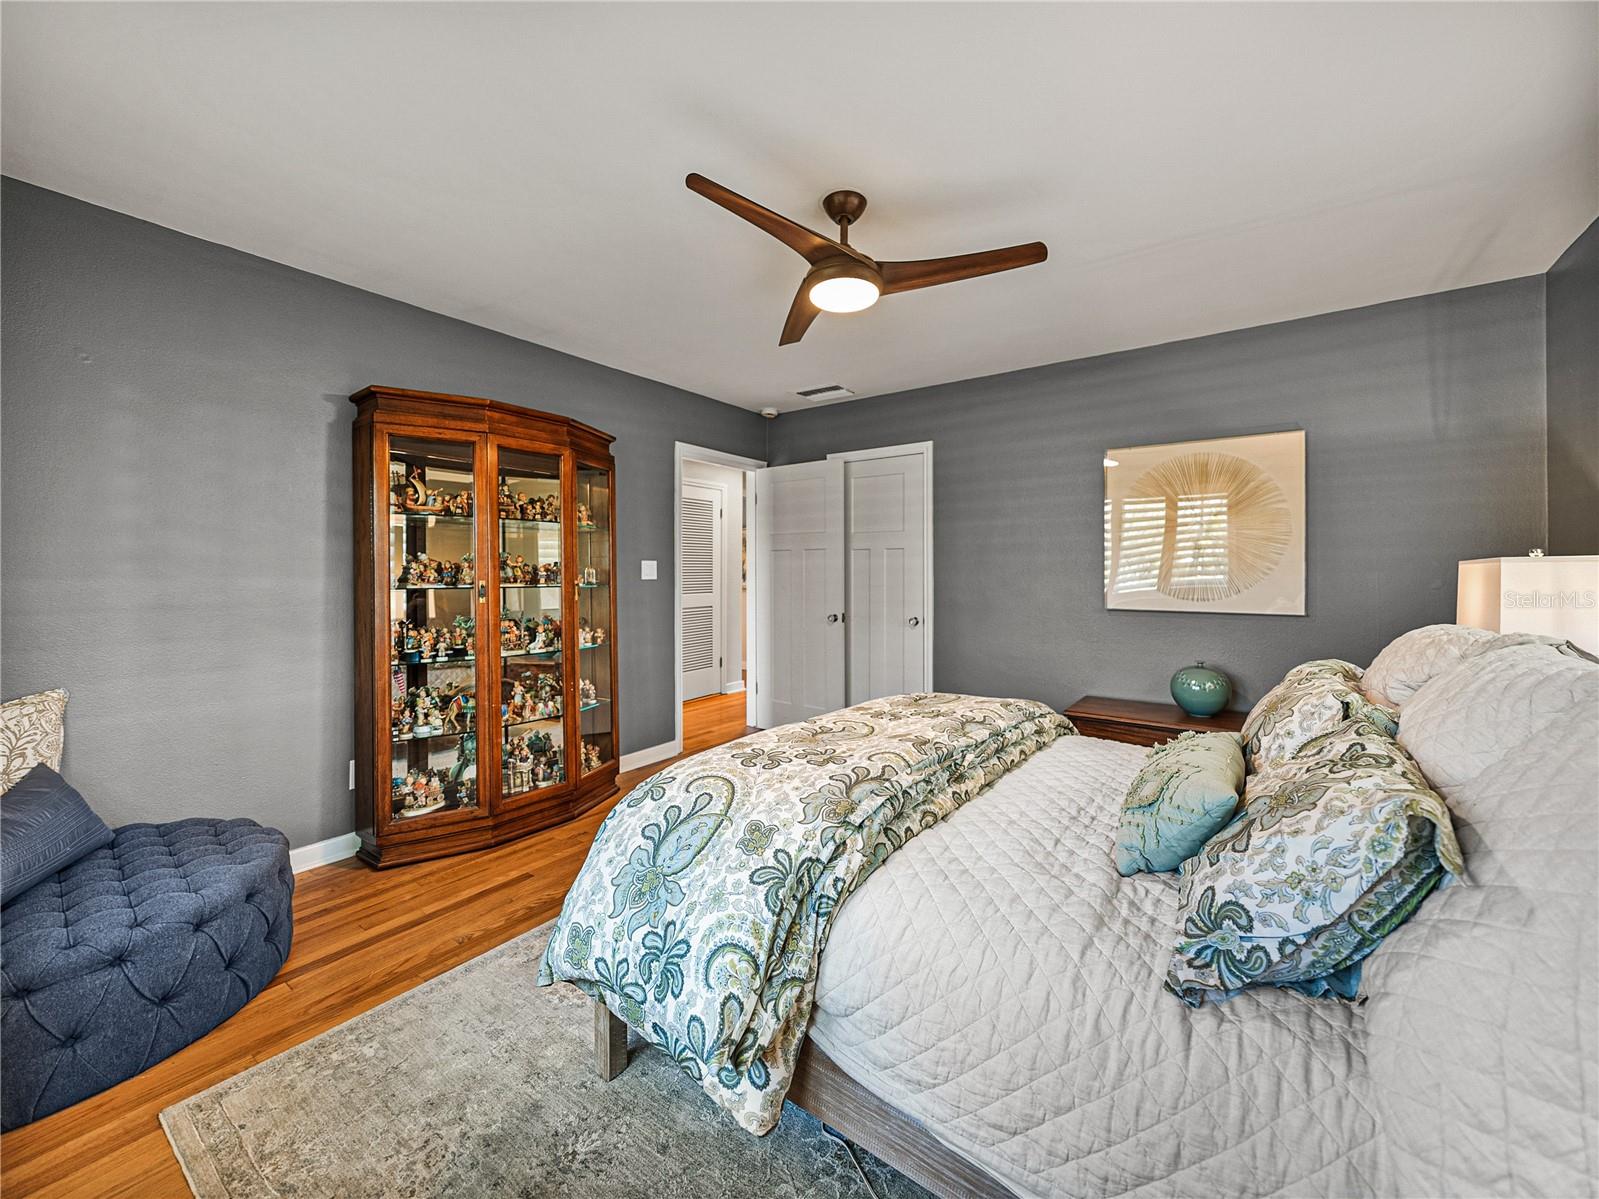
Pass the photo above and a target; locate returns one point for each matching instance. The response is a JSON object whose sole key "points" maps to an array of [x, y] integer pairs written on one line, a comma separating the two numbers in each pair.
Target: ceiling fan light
{"points": [[844, 290]]}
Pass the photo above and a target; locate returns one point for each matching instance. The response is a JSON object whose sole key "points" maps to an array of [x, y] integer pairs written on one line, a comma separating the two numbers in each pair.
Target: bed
{"points": [[988, 1015]]}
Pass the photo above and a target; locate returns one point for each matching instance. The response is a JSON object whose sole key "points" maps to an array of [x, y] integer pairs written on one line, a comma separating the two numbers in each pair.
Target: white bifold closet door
{"points": [[700, 572], [799, 591], [886, 529]]}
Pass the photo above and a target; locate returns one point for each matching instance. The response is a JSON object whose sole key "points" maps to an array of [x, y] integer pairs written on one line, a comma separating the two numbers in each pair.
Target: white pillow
{"points": [[1468, 719], [1409, 660]]}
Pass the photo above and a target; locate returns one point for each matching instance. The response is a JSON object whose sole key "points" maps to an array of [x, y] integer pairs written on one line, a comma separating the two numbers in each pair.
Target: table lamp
{"points": [[1555, 595]]}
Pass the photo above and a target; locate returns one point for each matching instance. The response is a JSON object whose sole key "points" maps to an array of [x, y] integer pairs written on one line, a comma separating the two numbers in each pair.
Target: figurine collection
{"points": [[535, 635], [520, 570], [532, 761], [541, 702], [423, 789], [520, 507], [591, 757], [430, 711], [414, 495], [421, 571], [588, 635], [416, 643]]}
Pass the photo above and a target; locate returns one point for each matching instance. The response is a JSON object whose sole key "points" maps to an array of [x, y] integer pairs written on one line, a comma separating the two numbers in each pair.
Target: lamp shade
{"points": [[1555, 596]]}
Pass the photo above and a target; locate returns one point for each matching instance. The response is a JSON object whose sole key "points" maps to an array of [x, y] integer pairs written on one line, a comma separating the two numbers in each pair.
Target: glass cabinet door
{"points": [[594, 613], [532, 732], [432, 629]]}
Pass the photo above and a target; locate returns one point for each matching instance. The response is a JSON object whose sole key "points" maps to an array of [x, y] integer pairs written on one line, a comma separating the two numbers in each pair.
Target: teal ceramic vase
{"points": [[1201, 691]]}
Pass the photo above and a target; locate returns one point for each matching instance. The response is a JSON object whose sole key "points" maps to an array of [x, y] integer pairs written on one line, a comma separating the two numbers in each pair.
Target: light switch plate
{"points": [[647, 568]]}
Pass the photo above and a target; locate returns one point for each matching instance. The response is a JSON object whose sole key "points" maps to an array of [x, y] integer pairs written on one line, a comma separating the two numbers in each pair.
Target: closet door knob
{"points": [[915, 620], [832, 618]]}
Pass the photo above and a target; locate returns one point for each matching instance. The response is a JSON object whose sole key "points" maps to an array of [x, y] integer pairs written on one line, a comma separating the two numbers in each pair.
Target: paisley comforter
{"points": [[706, 900]]}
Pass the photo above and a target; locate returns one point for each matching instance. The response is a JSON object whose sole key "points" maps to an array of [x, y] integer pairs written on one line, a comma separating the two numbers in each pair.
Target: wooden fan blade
{"points": [[800, 315], [926, 272], [812, 247]]}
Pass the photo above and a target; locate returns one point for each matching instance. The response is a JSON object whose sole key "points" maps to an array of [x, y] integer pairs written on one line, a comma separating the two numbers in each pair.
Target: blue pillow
{"points": [[1185, 794], [44, 827]]}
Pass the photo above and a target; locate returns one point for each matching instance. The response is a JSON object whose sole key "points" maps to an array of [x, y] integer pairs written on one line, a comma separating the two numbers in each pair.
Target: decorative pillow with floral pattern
{"points": [[1332, 850], [32, 731], [1311, 700]]}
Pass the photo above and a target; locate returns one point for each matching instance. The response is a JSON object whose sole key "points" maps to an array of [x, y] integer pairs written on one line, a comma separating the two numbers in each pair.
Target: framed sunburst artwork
{"points": [[1207, 526]]}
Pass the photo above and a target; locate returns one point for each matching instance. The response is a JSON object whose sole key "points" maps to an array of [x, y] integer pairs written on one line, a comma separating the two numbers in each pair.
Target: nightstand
{"points": [[1139, 723]]}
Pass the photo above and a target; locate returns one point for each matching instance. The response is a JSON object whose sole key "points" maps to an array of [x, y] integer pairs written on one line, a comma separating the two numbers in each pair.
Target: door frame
{"points": [[925, 449], [683, 451]]}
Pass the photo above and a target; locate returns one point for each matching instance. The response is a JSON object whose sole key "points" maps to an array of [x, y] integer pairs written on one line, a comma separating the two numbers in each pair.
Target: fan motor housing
{"points": [[844, 207]]}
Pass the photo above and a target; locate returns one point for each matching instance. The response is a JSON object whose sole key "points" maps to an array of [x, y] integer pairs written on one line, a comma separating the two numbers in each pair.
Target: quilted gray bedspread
{"points": [[999, 981]]}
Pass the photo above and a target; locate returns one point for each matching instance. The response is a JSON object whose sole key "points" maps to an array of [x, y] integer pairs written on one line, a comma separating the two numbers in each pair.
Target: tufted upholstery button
{"points": [[166, 919]]}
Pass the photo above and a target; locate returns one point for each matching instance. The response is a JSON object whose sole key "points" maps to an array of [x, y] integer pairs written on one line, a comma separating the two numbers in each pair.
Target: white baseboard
{"points": [[320, 853], [732, 688], [655, 753]]}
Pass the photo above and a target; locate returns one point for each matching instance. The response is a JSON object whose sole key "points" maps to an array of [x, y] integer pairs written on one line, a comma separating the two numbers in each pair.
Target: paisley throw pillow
{"points": [[32, 730], [1333, 849], [1187, 790], [1312, 699]]}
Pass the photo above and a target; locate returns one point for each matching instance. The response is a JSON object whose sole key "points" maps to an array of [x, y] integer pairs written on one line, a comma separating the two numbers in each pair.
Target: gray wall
{"points": [[1573, 349], [1424, 428], [176, 506]]}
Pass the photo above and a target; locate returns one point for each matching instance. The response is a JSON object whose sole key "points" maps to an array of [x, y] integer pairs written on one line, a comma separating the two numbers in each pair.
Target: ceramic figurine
{"points": [[458, 716], [591, 757], [507, 503], [586, 693], [418, 498], [585, 518]]}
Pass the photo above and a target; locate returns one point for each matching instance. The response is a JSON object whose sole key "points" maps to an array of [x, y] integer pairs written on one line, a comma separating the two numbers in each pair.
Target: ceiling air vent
{"points": [[831, 392]]}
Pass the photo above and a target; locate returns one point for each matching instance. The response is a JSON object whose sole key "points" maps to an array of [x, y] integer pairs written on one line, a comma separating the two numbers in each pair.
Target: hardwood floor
{"points": [[361, 936]]}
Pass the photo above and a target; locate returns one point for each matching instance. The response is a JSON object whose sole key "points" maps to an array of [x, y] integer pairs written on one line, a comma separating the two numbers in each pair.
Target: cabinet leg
{"points": [[610, 1043]]}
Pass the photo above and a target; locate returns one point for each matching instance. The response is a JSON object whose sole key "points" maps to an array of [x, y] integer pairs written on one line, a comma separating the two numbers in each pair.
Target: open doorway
{"points": [[713, 521]]}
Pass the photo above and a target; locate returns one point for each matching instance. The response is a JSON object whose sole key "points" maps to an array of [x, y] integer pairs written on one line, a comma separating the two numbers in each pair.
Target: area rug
{"points": [[478, 1083]]}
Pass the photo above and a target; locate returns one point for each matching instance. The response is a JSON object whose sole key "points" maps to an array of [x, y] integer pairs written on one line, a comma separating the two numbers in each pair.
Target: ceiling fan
{"points": [[841, 278]]}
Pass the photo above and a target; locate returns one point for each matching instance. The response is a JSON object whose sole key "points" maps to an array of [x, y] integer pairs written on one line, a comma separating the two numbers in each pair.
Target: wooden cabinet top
{"points": [[1142, 722], [475, 412]]}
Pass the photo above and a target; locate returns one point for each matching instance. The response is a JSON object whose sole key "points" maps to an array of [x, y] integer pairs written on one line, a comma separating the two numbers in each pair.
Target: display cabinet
{"points": [[485, 536]]}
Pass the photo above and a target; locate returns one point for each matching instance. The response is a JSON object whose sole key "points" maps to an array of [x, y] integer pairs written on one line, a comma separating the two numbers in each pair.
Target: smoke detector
{"points": [[769, 413], [831, 392]]}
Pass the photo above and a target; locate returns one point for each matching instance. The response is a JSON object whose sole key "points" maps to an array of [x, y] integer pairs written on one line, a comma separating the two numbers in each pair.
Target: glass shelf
{"points": [[515, 521], [599, 703], [525, 653], [441, 518], [530, 586], [518, 724], [431, 736], [437, 587], [412, 658]]}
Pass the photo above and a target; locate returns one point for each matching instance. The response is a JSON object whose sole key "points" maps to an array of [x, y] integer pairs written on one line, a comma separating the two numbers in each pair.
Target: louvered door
{"points": [[700, 542]]}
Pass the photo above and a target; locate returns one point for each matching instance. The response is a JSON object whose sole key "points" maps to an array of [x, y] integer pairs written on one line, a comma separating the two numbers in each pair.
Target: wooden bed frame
{"points": [[844, 1105]]}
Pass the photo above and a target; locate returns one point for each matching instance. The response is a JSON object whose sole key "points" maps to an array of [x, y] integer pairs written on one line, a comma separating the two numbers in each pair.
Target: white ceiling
{"points": [[1194, 168]]}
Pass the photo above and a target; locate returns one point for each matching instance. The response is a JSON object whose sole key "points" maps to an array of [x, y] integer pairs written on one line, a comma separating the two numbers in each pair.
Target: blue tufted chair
{"points": [[134, 951]]}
